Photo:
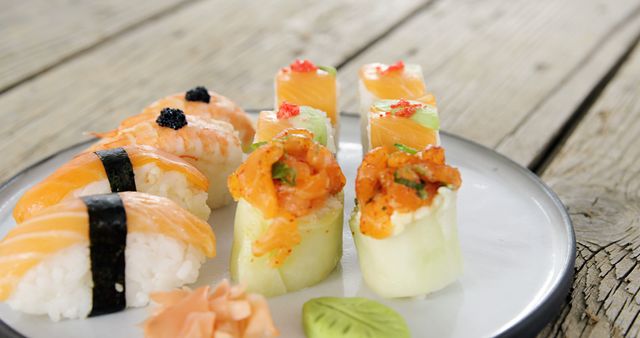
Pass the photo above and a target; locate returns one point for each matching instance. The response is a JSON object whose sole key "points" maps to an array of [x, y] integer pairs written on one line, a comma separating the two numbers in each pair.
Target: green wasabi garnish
{"points": [[331, 317]]}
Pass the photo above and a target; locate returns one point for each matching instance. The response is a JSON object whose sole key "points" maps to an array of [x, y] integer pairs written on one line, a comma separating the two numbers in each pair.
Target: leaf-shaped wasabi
{"points": [[331, 317]]}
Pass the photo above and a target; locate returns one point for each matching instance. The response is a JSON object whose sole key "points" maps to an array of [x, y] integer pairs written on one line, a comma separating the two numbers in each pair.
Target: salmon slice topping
{"points": [[66, 224], [305, 84], [400, 181], [395, 82], [287, 178], [225, 311], [87, 168]]}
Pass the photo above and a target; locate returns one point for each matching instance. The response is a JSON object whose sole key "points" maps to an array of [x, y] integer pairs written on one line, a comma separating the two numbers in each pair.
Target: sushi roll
{"points": [[272, 123], [99, 254], [289, 215], [404, 222], [129, 168], [201, 102], [212, 146], [303, 83], [410, 123], [378, 81]]}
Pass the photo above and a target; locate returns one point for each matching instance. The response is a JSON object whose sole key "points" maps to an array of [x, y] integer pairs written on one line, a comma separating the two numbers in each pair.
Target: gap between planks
{"points": [[548, 153]]}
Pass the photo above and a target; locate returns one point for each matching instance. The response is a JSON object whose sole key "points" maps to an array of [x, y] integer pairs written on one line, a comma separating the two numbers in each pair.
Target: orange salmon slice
{"points": [[314, 89], [394, 85], [269, 126], [385, 131]]}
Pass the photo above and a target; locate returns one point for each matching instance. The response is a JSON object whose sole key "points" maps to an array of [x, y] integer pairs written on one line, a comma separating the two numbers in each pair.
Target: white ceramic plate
{"points": [[517, 243]]}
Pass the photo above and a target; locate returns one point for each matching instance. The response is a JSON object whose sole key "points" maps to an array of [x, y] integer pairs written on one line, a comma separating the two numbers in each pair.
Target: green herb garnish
{"points": [[417, 186], [284, 173], [332, 71], [251, 148], [406, 149]]}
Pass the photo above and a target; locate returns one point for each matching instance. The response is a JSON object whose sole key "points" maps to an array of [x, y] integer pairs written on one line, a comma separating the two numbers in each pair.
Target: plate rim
{"points": [[528, 326]]}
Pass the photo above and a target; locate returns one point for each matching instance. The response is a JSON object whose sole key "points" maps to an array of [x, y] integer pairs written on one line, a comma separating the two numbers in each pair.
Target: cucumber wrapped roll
{"points": [[288, 225], [404, 224]]}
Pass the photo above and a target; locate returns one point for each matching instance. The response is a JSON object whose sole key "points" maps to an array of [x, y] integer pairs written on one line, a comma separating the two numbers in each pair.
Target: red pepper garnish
{"points": [[404, 108], [396, 67], [303, 66], [287, 110]]}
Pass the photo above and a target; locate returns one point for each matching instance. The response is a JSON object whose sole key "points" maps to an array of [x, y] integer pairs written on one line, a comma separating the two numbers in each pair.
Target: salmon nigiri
{"points": [[378, 81], [394, 123], [271, 123], [201, 102], [129, 168], [101, 253], [212, 146], [305, 84]]}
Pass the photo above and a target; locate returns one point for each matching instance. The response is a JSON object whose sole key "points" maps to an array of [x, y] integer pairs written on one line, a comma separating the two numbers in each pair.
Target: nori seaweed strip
{"points": [[108, 239], [119, 169]]}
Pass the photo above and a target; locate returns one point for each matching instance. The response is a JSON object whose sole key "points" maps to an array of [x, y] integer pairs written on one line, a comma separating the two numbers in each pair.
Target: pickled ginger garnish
{"points": [[171, 118], [199, 93], [284, 173]]}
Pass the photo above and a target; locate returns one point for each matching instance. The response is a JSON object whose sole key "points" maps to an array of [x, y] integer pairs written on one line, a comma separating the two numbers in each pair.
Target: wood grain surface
{"points": [[551, 84], [36, 35], [597, 175], [237, 57], [493, 65]]}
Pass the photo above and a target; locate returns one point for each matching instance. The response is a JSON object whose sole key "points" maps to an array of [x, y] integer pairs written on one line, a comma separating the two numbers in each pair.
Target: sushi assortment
{"points": [[124, 222]]}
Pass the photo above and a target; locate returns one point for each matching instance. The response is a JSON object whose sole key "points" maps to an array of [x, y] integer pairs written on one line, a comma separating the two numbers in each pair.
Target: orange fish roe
{"points": [[303, 66], [404, 108], [389, 181], [396, 67], [287, 110], [287, 178]]}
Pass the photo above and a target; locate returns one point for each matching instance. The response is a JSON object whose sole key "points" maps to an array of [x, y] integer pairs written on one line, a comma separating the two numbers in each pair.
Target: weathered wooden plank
{"points": [[38, 34], [508, 74], [597, 175], [236, 47]]}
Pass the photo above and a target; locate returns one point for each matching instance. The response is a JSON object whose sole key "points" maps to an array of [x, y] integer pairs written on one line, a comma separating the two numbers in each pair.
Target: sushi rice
{"points": [[60, 286], [153, 180]]}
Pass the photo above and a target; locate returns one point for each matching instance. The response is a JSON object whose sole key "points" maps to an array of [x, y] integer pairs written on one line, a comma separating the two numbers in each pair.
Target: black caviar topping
{"points": [[198, 94], [171, 118]]}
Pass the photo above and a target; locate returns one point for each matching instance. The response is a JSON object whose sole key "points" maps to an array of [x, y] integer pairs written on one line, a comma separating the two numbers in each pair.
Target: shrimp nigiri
{"points": [[201, 102], [212, 146]]}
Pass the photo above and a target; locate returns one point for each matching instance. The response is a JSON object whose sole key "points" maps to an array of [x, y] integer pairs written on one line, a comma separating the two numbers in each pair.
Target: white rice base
{"points": [[153, 180], [213, 163], [61, 285]]}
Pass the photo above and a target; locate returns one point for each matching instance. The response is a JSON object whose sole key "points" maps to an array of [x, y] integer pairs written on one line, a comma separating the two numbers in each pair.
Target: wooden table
{"points": [[555, 85]]}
